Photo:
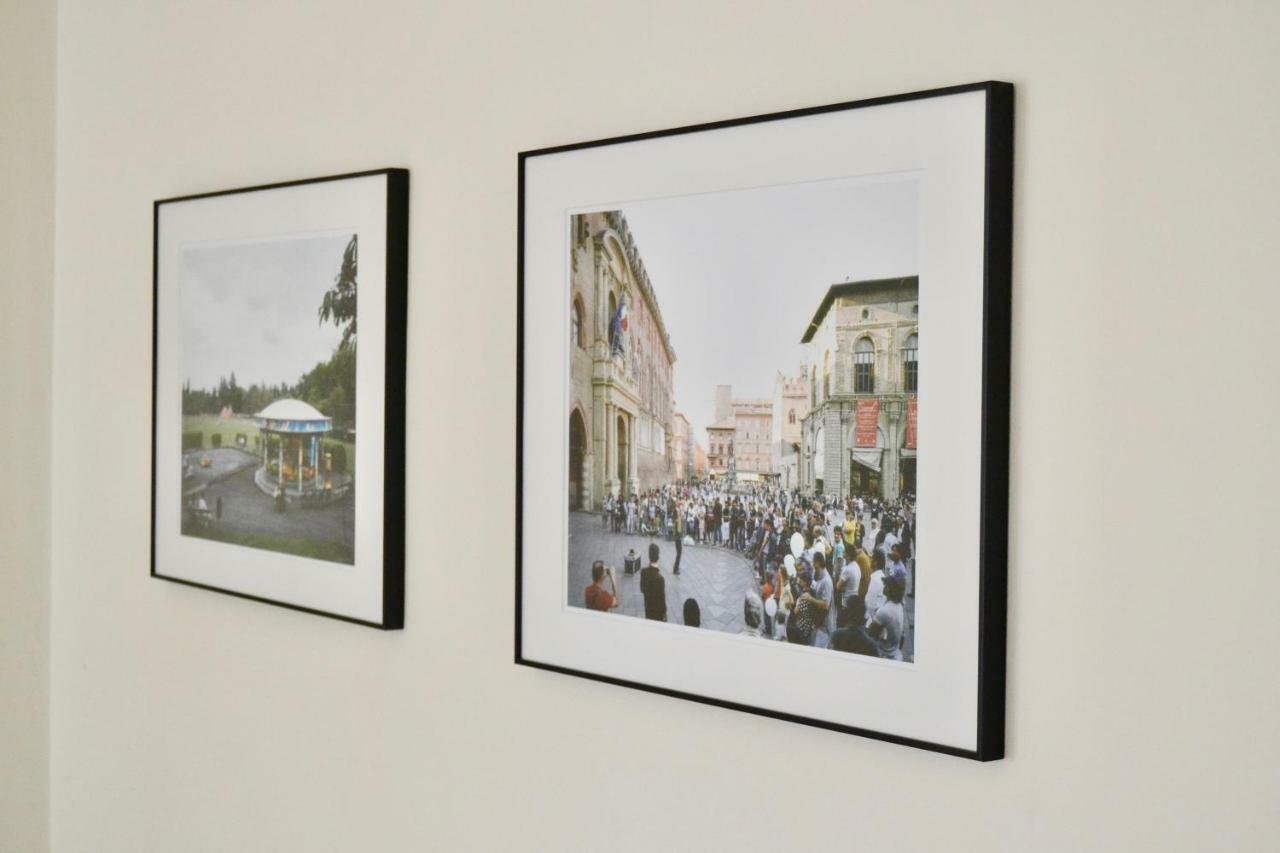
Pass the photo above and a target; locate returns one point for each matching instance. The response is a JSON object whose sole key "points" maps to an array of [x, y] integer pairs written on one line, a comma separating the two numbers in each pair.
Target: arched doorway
{"points": [[577, 456], [623, 448], [866, 467]]}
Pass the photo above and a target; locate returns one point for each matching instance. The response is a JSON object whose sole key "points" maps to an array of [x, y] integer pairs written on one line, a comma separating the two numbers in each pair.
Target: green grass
{"points": [[333, 552], [210, 424]]}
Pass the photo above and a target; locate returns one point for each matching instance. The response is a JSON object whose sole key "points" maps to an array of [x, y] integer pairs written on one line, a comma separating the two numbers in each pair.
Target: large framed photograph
{"points": [[278, 395], [741, 478]]}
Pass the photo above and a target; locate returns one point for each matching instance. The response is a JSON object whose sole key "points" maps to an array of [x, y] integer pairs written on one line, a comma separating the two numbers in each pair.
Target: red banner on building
{"points": [[911, 424], [864, 425]]}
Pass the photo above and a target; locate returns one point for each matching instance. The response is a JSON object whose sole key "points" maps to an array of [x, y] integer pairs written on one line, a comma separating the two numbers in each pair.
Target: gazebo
{"points": [[302, 476]]}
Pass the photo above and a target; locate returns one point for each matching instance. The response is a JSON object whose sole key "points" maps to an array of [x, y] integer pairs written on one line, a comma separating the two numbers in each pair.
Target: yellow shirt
{"points": [[864, 566]]}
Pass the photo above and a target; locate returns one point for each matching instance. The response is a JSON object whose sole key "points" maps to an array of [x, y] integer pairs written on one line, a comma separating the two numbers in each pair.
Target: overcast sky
{"points": [[252, 308], [739, 275]]}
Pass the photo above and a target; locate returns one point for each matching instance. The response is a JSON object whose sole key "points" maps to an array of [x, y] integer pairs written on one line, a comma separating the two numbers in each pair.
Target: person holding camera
{"points": [[596, 597]]}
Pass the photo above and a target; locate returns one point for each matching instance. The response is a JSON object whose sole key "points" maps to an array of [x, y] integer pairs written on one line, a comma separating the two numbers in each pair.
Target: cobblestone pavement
{"points": [[717, 578]]}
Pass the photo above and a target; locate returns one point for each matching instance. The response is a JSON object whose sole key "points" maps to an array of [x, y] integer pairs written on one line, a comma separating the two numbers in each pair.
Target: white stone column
{"points": [[889, 476], [633, 458], [599, 443], [833, 451], [610, 449]]}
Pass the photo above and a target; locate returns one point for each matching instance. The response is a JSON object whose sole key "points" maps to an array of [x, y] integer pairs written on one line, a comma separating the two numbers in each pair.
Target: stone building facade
{"points": [[859, 436], [681, 448], [752, 441], [724, 403], [739, 443], [621, 414], [720, 449], [790, 408]]}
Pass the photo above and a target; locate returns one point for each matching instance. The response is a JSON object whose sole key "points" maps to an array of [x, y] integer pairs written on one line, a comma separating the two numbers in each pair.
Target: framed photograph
{"points": [[278, 394], [740, 478]]}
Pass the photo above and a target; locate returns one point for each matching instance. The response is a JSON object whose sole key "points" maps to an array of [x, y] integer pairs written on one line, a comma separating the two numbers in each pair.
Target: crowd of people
{"points": [[828, 572]]}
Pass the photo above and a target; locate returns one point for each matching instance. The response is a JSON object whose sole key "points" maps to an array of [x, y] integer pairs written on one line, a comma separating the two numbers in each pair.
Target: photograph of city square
{"points": [[269, 394], [744, 372]]}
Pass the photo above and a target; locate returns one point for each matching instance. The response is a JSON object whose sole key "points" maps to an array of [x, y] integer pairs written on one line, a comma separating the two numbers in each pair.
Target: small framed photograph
{"points": [[278, 394], [742, 479]]}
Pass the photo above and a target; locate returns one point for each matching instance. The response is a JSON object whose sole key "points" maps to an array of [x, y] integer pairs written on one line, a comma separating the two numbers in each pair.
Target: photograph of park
{"points": [[269, 394], [742, 447]]}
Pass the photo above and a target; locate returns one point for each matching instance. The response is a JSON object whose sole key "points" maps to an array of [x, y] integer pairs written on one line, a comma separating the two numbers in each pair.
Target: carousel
{"points": [[294, 464]]}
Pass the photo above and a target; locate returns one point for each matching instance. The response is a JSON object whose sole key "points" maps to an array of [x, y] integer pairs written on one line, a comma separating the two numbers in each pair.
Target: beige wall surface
{"points": [[27, 66], [1142, 692]]}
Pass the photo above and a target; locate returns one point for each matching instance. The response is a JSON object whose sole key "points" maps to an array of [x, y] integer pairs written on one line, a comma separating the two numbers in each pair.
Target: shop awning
{"points": [[869, 458]]}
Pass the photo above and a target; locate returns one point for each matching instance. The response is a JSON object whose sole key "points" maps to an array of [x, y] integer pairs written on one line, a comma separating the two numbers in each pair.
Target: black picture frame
{"points": [[995, 382], [394, 351]]}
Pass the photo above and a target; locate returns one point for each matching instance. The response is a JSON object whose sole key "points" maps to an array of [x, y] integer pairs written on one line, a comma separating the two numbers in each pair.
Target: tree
{"points": [[339, 304]]}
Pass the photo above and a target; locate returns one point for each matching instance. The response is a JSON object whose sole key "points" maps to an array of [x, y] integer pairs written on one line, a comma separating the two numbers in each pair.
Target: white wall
{"points": [[27, 65], [1142, 690]]}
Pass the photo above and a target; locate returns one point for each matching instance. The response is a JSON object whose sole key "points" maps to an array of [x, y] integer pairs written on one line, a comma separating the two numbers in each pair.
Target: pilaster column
{"points": [[890, 475], [833, 462], [633, 458], [610, 449]]}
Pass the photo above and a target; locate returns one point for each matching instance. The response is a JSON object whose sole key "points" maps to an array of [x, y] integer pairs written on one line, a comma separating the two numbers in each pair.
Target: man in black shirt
{"points": [[849, 635], [679, 531], [654, 588]]}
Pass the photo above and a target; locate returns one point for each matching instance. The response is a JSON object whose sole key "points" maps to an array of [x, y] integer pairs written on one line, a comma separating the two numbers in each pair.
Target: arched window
{"points": [[613, 310], [791, 416], [826, 375], [864, 367], [911, 364], [575, 325]]}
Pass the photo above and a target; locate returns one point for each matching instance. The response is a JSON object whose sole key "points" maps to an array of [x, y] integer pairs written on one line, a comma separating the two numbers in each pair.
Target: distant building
{"points": [[724, 403], [681, 447], [752, 439], [790, 408], [699, 462], [739, 443], [719, 449], [621, 414], [859, 436]]}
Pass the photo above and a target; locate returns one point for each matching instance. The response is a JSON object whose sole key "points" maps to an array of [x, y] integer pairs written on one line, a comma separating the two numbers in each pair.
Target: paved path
{"points": [[223, 462], [246, 510], [717, 578]]}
